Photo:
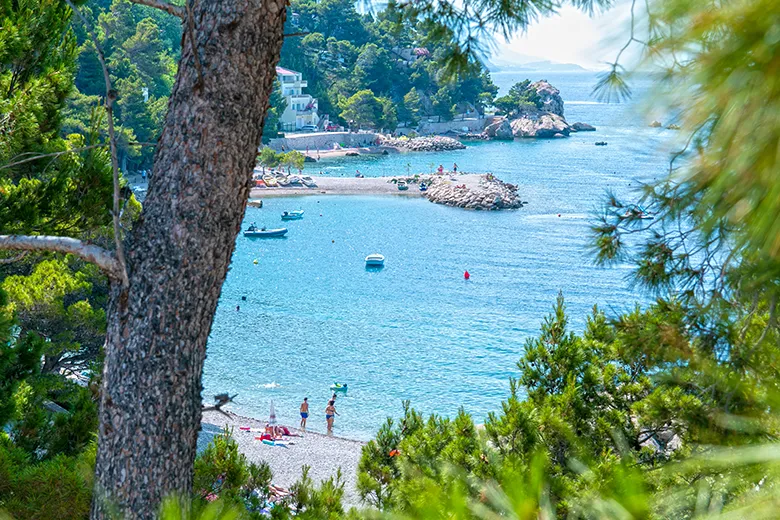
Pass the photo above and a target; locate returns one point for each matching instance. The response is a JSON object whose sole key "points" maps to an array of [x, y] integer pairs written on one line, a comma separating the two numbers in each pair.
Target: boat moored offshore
{"points": [[255, 232], [375, 260], [292, 215]]}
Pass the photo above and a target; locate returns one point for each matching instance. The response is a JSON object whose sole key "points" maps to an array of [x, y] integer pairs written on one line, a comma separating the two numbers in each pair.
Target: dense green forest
{"points": [[375, 69], [669, 411], [352, 61]]}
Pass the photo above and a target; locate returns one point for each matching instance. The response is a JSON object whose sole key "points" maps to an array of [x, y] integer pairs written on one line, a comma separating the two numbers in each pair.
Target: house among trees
{"points": [[301, 109]]}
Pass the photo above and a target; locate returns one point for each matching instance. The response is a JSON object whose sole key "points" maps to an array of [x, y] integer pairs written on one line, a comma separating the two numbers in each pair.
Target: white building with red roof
{"points": [[301, 110]]}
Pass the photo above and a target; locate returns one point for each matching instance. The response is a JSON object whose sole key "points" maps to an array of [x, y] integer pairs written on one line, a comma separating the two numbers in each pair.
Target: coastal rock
{"points": [[489, 195], [656, 124], [673, 127], [541, 124], [582, 127], [551, 99], [424, 144], [500, 130], [309, 158], [482, 136]]}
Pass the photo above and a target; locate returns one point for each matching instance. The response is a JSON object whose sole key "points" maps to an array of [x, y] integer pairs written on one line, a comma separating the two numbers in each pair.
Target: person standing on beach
{"points": [[330, 412], [455, 167], [304, 412]]}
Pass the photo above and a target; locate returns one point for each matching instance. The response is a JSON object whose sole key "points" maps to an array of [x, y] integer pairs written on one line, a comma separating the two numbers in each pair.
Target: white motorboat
{"points": [[375, 260]]}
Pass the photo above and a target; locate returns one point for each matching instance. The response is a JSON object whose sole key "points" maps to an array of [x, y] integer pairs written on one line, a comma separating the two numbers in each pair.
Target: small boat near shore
{"points": [[375, 260], [255, 232], [402, 186], [292, 215], [255, 203]]}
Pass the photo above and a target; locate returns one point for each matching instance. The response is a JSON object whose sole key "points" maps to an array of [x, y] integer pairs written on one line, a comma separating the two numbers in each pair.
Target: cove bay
{"points": [[416, 330]]}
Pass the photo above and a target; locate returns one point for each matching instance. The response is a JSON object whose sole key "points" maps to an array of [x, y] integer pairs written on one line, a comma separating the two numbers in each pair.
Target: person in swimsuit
{"points": [[304, 412], [330, 412]]}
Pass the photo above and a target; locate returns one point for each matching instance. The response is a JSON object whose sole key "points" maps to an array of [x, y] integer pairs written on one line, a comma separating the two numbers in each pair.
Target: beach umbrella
{"points": [[272, 417]]}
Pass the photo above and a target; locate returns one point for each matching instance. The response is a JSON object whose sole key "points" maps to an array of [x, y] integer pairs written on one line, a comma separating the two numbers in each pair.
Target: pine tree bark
{"points": [[178, 255]]}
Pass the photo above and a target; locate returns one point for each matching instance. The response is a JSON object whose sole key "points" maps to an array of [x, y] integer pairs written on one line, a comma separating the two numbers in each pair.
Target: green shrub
{"points": [[56, 489]]}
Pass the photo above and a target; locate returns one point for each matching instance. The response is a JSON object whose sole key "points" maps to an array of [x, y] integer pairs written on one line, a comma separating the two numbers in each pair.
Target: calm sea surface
{"points": [[416, 329]]}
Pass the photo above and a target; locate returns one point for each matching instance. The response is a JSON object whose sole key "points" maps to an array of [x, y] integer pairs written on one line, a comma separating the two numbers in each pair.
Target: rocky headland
{"points": [[537, 113], [435, 143]]}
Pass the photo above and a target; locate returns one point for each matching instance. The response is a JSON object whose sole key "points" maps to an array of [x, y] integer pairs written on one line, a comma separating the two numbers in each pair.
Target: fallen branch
{"points": [[102, 258], [171, 9], [221, 400]]}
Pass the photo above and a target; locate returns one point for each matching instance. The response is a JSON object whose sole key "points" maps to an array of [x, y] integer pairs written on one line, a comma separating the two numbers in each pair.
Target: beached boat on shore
{"points": [[293, 215], [402, 186], [255, 232], [375, 260]]}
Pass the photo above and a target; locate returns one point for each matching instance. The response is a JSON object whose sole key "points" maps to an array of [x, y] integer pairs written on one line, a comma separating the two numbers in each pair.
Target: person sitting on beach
{"points": [[330, 412], [304, 412]]}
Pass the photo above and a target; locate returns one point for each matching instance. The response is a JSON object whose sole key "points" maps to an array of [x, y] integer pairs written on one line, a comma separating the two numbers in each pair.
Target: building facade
{"points": [[301, 108]]}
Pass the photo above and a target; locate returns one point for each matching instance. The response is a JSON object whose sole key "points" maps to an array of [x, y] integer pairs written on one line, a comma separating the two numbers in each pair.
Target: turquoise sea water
{"points": [[416, 329]]}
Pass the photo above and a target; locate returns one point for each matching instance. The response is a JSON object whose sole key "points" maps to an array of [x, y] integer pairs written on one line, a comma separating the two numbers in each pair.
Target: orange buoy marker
{"points": [[466, 275]]}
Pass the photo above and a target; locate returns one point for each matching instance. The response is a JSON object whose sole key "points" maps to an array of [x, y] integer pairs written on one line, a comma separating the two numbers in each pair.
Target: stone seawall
{"points": [[468, 126], [322, 141], [424, 144]]}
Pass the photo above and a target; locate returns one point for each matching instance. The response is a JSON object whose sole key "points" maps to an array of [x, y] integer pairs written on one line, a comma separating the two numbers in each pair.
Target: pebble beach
{"points": [[323, 454]]}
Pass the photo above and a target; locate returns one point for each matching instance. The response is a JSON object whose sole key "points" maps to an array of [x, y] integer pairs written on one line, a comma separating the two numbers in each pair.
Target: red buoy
{"points": [[466, 275]]}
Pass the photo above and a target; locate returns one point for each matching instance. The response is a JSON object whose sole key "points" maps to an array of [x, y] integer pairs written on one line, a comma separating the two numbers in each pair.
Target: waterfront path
{"points": [[359, 186]]}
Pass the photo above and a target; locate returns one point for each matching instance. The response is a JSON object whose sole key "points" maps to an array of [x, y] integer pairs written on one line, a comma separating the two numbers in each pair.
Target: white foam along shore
{"points": [[323, 454]]}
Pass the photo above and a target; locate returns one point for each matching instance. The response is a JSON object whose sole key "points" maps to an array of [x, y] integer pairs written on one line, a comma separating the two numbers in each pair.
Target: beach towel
{"points": [[248, 429]]}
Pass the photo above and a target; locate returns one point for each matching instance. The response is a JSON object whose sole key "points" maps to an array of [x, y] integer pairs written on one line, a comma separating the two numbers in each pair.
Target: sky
{"points": [[569, 37]]}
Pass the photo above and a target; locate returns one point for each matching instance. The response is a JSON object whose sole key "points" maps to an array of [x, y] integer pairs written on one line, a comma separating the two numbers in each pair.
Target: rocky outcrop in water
{"points": [[550, 97], [582, 127], [540, 124], [656, 124], [540, 115], [490, 194], [500, 130], [424, 144]]}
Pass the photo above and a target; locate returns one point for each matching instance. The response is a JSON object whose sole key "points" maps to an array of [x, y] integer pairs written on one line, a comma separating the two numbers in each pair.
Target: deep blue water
{"points": [[416, 329]]}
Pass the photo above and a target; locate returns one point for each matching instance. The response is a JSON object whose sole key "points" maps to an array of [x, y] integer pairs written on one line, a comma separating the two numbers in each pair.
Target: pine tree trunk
{"points": [[178, 255]]}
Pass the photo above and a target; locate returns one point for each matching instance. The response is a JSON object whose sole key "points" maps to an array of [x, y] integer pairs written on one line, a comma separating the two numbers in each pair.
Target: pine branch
{"points": [[102, 258], [194, 46], [63, 152], [110, 98], [171, 9], [13, 259]]}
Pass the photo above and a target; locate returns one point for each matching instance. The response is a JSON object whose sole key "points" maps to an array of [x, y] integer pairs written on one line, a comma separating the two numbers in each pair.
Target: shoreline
{"points": [[361, 186], [324, 454]]}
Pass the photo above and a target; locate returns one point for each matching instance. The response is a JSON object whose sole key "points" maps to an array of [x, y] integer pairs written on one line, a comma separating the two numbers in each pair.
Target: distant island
{"points": [[536, 66]]}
